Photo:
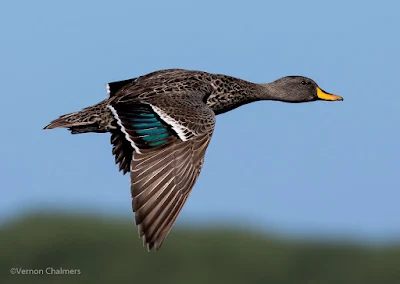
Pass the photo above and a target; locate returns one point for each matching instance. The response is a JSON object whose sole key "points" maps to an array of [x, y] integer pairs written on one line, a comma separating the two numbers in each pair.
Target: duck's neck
{"points": [[230, 93]]}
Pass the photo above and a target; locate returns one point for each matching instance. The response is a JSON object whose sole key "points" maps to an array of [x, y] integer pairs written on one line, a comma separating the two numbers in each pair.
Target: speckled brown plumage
{"points": [[161, 124]]}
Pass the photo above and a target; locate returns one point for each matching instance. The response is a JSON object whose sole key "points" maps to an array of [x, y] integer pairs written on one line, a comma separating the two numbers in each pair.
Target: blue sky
{"points": [[319, 168]]}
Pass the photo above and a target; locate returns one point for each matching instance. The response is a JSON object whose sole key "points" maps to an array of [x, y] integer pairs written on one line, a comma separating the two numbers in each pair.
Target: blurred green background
{"points": [[107, 250]]}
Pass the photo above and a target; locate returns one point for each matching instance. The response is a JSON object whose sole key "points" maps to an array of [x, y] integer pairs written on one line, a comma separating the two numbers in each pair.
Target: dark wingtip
{"points": [[114, 87]]}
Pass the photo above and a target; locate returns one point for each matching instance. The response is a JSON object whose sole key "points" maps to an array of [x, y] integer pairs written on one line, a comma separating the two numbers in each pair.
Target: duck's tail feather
{"points": [[97, 118]]}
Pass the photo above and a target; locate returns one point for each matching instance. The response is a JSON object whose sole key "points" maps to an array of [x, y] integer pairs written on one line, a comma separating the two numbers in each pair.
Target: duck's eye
{"points": [[303, 82]]}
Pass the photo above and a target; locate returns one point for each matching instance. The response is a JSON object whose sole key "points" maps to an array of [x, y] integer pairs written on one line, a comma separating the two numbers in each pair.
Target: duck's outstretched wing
{"points": [[122, 149], [169, 142]]}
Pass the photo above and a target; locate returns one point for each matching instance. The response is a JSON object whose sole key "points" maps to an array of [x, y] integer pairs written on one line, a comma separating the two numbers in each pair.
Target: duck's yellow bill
{"points": [[322, 95]]}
